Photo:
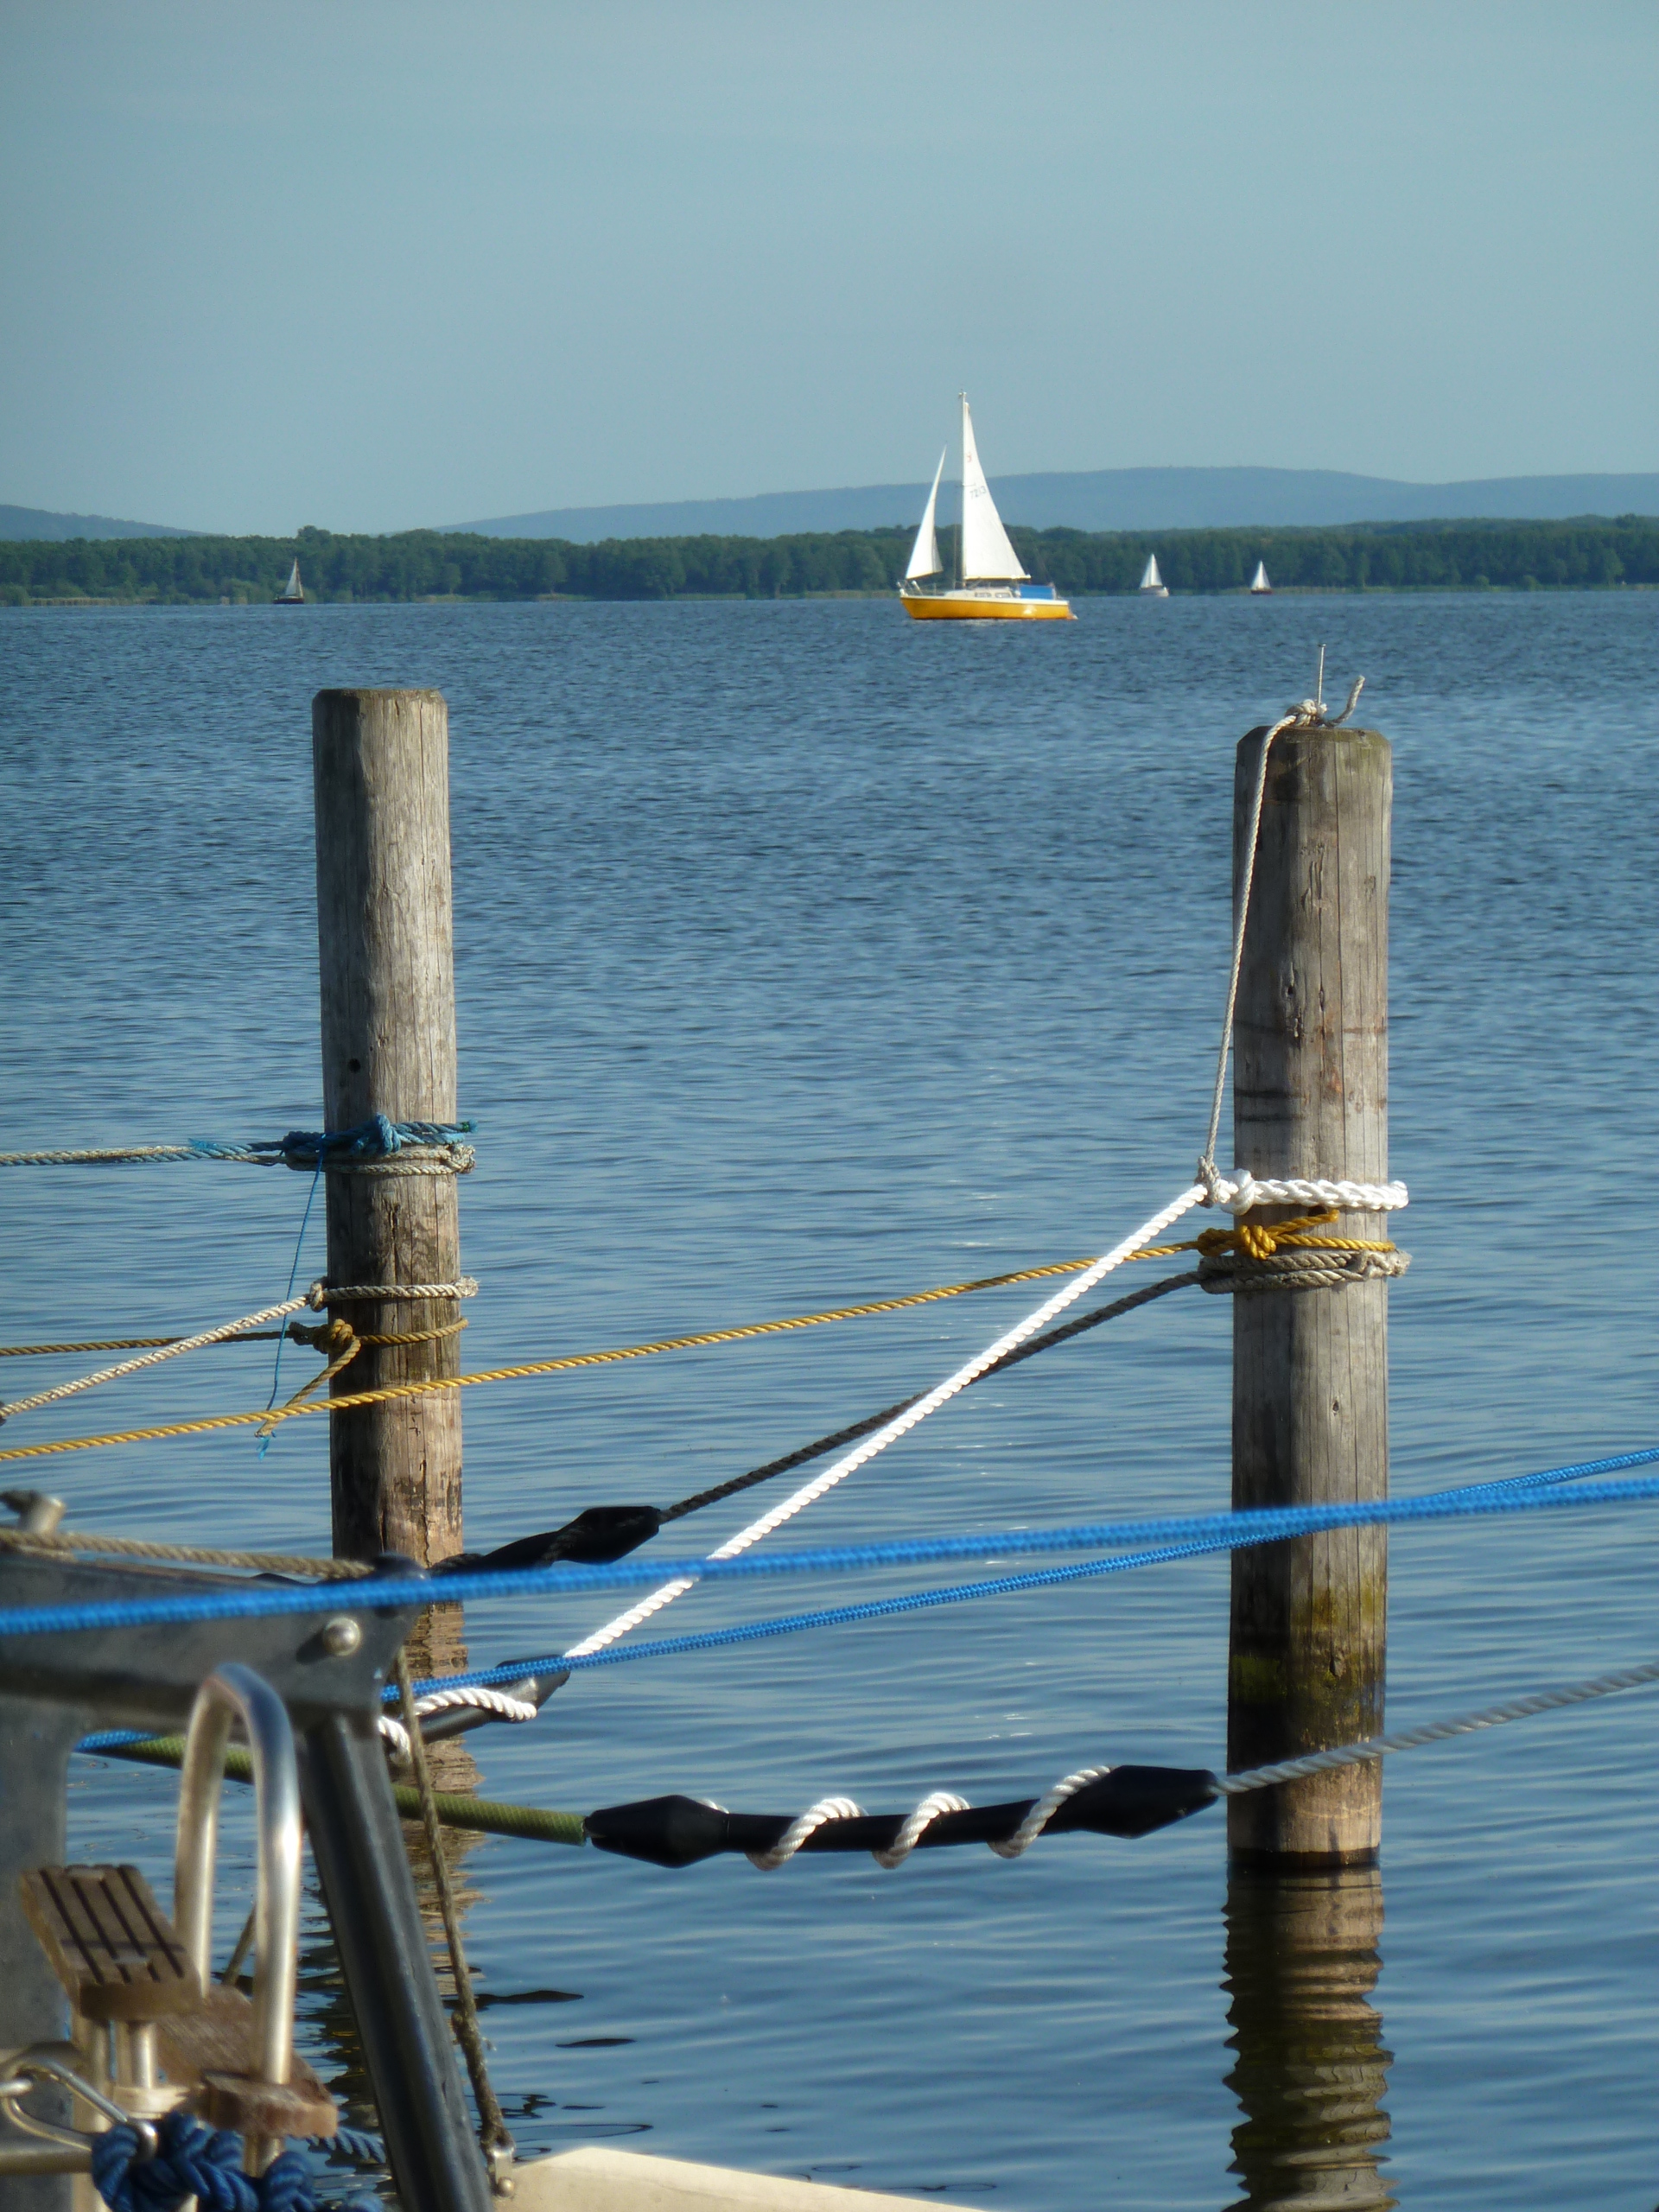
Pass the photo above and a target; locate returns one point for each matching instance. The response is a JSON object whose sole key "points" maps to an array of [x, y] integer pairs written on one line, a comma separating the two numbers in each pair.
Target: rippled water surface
{"points": [[804, 955]]}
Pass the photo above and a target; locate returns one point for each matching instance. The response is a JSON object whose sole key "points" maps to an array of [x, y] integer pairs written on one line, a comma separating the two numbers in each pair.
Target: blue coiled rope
{"points": [[1210, 1531], [195, 2161]]}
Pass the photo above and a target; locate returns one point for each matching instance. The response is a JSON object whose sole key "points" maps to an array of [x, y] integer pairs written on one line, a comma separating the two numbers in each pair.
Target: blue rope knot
{"points": [[195, 2161], [377, 1138]]}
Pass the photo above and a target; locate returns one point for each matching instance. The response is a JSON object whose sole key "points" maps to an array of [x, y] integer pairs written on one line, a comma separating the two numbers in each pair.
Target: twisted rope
{"points": [[376, 1146], [1238, 1194], [494, 2140], [321, 1294], [469, 1694], [1045, 1809], [173, 1350], [1438, 1731], [93, 1545], [803, 1825], [194, 2162]]}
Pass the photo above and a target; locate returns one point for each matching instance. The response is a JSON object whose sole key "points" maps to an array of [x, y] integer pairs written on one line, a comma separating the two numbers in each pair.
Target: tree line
{"points": [[423, 564]]}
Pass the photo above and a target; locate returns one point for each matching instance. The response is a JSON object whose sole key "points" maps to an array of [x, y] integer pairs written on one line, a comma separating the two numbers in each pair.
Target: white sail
{"points": [[987, 554], [1152, 581], [1259, 580], [924, 553], [292, 588]]}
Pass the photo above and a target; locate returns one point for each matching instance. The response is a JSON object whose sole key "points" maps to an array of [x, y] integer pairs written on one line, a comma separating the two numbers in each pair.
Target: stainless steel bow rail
{"points": [[91, 1948]]}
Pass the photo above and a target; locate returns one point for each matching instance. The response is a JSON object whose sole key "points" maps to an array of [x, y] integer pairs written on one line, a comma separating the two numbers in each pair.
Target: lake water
{"points": [[805, 954]]}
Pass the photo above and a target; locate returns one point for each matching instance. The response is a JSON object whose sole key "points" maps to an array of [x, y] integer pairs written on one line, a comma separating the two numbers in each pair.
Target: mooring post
{"points": [[386, 936], [1309, 1630]]}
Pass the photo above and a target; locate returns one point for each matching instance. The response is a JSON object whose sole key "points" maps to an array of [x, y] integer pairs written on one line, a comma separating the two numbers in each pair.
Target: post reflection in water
{"points": [[1309, 2066]]}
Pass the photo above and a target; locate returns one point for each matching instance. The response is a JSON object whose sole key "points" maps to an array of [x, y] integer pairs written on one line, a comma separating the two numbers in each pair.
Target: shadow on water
{"points": [[1310, 2065]]}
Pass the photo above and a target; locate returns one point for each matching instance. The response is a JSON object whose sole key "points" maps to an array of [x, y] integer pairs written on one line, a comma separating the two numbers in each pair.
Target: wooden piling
{"points": [[1308, 1645], [381, 774]]}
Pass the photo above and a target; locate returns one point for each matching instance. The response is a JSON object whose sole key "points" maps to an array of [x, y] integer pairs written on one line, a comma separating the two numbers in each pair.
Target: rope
{"points": [[194, 2163], [803, 1825], [1218, 1531], [377, 1146], [171, 1350], [321, 1294], [493, 2138], [484, 1814], [1308, 714], [474, 1695], [1438, 1731], [1238, 1194], [91, 1544]]}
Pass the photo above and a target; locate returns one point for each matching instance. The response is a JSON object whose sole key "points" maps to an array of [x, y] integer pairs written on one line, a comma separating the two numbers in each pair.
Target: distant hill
{"points": [[18, 524], [1113, 499]]}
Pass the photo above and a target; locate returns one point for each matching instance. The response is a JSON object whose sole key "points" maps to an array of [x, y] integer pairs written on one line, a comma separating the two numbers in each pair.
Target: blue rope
{"points": [[376, 1139], [916, 1601], [1223, 1531], [372, 1140], [195, 2161]]}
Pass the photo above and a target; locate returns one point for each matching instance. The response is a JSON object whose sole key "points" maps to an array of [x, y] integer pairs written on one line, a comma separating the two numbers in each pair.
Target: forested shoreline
{"points": [[431, 564]]}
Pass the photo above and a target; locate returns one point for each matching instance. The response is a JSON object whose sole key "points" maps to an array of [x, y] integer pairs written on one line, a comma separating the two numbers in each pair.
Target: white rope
{"points": [[901, 1425], [917, 1825], [1238, 1193], [803, 1825], [474, 1694], [1045, 1809]]}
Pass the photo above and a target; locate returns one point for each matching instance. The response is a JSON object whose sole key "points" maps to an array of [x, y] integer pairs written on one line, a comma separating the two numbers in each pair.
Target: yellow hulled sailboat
{"points": [[991, 586]]}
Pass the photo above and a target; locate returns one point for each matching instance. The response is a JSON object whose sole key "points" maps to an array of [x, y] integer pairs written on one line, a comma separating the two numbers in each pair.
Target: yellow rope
{"points": [[1255, 1240], [345, 1402]]}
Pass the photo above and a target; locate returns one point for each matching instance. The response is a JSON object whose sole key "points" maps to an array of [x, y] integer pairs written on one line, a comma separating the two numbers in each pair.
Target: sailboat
{"points": [[1151, 584], [1259, 583], [293, 592], [990, 585]]}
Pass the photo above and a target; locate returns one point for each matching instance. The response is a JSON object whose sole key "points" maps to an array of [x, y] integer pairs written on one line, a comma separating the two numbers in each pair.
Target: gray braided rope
{"points": [[93, 1545], [1438, 1731], [1306, 1269], [225, 1330]]}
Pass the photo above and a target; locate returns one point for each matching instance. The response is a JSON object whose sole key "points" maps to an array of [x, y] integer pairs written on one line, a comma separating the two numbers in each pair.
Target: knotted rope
{"points": [[194, 2162], [377, 1146]]}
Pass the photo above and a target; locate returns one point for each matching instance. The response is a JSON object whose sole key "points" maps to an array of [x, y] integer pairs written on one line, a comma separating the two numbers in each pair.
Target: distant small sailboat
{"points": [[293, 592], [1259, 583], [1151, 584], [990, 586]]}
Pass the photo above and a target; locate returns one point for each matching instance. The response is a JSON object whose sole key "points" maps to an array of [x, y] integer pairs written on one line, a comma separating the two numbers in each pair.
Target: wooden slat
{"points": [[109, 1943]]}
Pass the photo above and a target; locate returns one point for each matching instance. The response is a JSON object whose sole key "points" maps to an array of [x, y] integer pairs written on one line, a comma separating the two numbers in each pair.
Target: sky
{"points": [[376, 264]]}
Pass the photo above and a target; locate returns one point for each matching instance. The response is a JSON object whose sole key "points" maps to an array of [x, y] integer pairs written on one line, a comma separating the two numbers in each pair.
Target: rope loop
{"points": [[195, 2161]]}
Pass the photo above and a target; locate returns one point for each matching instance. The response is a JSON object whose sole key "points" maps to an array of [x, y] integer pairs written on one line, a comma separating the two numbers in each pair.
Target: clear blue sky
{"points": [[371, 263]]}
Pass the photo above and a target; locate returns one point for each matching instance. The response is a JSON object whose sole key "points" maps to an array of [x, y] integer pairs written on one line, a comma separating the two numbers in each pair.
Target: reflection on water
{"points": [[1310, 2065]]}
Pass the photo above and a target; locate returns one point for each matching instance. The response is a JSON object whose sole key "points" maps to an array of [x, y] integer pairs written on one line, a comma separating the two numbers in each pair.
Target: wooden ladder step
{"points": [[109, 1943], [210, 2052]]}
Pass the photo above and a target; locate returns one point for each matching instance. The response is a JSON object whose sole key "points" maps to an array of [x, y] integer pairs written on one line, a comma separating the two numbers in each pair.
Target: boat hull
{"points": [[970, 605]]}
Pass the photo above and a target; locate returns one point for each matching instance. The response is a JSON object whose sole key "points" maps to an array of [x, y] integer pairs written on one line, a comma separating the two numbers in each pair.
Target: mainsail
{"points": [[292, 589], [987, 554], [1152, 581], [1259, 580], [924, 553]]}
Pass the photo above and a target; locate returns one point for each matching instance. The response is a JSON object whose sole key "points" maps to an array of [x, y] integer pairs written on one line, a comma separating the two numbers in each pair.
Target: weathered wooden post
{"points": [[1310, 1367], [381, 771]]}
